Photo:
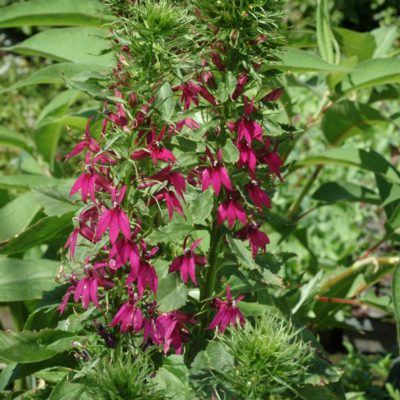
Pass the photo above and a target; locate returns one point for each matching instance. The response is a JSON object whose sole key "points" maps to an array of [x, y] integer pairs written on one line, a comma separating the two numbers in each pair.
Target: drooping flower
{"points": [[246, 128], [171, 200], [258, 239], [274, 95], [88, 143], [115, 219], [257, 195], [119, 118], [173, 329], [242, 80], [247, 156], [216, 174], [71, 242], [188, 122], [187, 262], [231, 210], [190, 94], [129, 315], [270, 156], [154, 149], [122, 251], [217, 61], [228, 312], [142, 272]]}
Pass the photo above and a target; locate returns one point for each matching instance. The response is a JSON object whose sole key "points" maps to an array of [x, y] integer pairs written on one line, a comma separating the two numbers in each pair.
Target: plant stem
{"points": [[294, 208]]}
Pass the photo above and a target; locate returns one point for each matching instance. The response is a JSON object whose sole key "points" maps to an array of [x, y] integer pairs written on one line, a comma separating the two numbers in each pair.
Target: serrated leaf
{"points": [[175, 230], [50, 12], [201, 206], [172, 293], [16, 215], [242, 253], [55, 201], [230, 152], [165, 101], [65, 390]]}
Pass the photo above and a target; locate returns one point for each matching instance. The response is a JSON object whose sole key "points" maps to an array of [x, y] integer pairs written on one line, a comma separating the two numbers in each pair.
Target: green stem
{"points": [[295, 207]]}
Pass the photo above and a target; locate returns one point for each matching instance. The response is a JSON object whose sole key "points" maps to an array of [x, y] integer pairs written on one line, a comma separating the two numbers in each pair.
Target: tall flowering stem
{"points": [[183, 131]]}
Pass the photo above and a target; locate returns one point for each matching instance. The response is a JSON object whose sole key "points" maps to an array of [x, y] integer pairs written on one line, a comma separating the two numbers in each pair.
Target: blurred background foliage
{"points": [[335, 225]]}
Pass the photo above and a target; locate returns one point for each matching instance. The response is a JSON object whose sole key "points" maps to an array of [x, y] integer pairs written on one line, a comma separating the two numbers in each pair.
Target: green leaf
{"points": [[172, 293], [385, 38], [347, 118], [368, 160], [201, 206], [16, 215], [230, 152], [175, 230], [165, 101], [30, 347], [28, 181], [352, 43], [332, 192], [371, 73], [55, 201], [50, 12], [16, 140], [173, 378], [43, 231], [325, 37], [396, 299], [54, 74], [303, 61], [26, 279], [242, 253], [68, 391], [215, 357], [79, 45]]}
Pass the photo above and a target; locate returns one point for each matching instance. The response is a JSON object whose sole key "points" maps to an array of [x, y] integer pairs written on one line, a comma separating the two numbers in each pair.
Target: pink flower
{"points": [[186, 263], [151, 327], [257, 195], [154, 149], [231, 210], [88, 143], [216, 174], [173, 329], [190, 94], [274, 95], [71, 242], [188, 122], [122, 251], [119, 118], [247, 156], [271, 158], [142, 272], [129, 315], [171, 200], [115, 219], [257, 238], [242, 79], [246, 128], [217, 61], [228, 313]]}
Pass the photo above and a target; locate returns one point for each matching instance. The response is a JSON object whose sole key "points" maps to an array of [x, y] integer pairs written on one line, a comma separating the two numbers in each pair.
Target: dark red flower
{"points": [[257, 238]]}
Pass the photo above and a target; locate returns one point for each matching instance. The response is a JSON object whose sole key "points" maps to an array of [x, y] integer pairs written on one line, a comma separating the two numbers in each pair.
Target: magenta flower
{"points": [[88, 143], [271, 158], [231, 210], [71, 242], [246, 128], [61, 308], [274, 95], [115, 219], [216, 174], [173, 329], [242, 80], [142, 272], [119, 118], [129, 315], [154, 149], [247, 156], [256, 238], [228, 313], [151, 327], [188, 122], [257, 195], [191, 92], [122, 251], [186, 263], [171, 200], [217, 61]]}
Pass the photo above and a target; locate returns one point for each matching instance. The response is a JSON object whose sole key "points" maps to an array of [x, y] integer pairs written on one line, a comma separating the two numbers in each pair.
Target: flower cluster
{"points": [[134, 182]]}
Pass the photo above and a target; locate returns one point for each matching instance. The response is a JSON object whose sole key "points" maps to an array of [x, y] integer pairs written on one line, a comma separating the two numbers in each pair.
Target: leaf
{"points": [[79, 45], [347, 118], [54, 74], [16, 140], [352, 43], [55, 201], [43, 231], [230, 152], [396, 299], [26, 279], [201, 206], [371, 73], [30, 347], [173, 379], [165, 101], [299, 60], [16, 215], [175, 230], [332, 192], [385, 38], [368, 160], [27, 181], [215, 357], [324, 33], [50, 12], [241, 252], [172, 293], [65, 390]]}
